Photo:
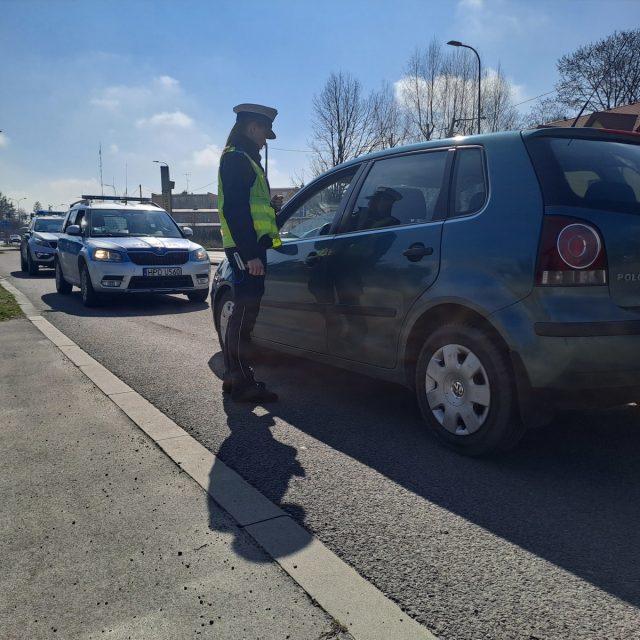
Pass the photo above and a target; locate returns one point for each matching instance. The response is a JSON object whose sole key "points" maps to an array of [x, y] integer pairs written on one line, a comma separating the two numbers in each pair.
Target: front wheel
{"points": [[62, 286], [466, 391], [23, 261], [198, 296], [222, 313], [89, 297], [32, 267]]}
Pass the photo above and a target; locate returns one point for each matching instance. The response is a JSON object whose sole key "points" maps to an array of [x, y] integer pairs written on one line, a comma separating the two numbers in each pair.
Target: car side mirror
{"points": [[73, 230], [26, 235], [187, 231]]}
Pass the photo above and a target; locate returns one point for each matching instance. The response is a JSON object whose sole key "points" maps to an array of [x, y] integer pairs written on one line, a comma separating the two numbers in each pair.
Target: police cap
{"points": [[258, 113]]}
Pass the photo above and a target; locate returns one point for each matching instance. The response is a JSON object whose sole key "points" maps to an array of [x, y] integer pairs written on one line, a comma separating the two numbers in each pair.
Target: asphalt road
{"points": [[542, 543]]}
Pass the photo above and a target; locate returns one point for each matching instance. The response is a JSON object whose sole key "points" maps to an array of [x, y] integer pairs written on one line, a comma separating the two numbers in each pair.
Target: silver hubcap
{"points": [[225, 314], [458, 389]]}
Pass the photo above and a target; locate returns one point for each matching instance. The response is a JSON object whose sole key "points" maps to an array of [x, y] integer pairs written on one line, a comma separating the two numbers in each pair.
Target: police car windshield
{"points": [[48, 226], [122, 223]]}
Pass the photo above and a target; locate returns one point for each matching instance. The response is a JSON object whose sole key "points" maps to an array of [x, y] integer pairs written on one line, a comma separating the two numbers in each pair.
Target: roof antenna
{"points": [[584, 106]]}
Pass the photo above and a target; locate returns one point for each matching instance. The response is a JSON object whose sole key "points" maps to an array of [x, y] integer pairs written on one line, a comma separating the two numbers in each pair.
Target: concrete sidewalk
{"points": [[114, 520], [103, 535]]}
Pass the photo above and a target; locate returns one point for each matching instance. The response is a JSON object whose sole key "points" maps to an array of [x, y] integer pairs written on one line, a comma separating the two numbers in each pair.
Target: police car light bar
{"points": [[117, 198]]}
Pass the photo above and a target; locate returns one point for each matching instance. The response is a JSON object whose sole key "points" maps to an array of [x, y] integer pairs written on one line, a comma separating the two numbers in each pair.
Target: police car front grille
{"points": [[153, 259], [161, 282]]}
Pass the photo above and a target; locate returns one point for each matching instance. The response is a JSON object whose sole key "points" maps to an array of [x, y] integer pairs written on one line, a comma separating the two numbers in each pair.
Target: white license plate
{"points": [[162, 271]]}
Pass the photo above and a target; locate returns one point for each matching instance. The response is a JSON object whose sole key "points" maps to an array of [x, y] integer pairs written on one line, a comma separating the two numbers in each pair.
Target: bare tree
{"points": [[388, 120], [440, 94], [602, 75], [498, 111], [420, 90], [342, 122], [544, 111]]}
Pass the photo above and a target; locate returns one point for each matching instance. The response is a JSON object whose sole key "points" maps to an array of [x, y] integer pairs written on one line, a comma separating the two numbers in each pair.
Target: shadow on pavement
{"points": [[569, 493], [251, 439], [125, 305]]}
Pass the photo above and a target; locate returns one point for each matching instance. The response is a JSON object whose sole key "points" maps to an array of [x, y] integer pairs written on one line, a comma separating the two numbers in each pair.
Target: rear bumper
{"points": [[580, 350]]}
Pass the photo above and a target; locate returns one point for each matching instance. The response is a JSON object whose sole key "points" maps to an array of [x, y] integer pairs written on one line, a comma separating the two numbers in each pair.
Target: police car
{"points": [[112, 244], [39, 242]]}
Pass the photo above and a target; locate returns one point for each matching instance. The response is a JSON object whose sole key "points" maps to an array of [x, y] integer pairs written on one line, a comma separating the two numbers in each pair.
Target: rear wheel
{"points": [[466, 391], [32, 266], [198, 296], [62, 286], [89, 297]]}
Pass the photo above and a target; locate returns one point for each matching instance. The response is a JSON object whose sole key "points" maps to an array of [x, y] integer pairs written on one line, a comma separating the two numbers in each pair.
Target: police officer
{"points": [[248, 223]]}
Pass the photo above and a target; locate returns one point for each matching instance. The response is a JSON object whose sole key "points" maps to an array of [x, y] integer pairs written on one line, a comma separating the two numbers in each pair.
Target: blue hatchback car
{"points": [[497, 275]]}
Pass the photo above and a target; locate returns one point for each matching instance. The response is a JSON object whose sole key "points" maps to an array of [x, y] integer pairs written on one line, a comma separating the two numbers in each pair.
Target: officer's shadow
{"points": [[260, 459]]}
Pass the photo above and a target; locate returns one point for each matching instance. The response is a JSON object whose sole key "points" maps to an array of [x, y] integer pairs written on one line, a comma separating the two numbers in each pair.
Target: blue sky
{"points": [[157, 80]]}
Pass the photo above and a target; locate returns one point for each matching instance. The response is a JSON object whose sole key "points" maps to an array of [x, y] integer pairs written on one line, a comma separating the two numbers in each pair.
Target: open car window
{"points": [[315, 214]]}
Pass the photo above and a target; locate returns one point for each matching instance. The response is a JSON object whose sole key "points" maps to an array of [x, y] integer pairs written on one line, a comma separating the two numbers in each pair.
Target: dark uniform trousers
{"points": [[247, 294]]}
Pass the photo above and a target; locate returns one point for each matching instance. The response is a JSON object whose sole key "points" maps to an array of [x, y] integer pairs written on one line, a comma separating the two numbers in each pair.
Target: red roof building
{"points": [[624, 118]]}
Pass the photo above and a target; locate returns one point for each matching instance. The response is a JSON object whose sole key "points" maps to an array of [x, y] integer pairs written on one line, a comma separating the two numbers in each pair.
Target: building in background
{"points": [[624, 118], [199, 211]]}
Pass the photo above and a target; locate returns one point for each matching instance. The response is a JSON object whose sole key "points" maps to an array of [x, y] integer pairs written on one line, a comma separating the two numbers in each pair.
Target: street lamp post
{"points": [[17, 205], [457, 43]]}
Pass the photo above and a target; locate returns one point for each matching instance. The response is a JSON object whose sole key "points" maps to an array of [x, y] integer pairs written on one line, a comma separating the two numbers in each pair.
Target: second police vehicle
{"points": [[112, 244]]}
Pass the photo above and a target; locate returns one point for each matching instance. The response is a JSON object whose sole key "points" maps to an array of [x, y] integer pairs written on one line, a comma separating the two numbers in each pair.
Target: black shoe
{"points": [[253, 392]]}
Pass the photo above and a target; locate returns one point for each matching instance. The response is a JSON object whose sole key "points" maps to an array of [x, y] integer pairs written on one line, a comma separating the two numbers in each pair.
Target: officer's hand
{"points": [[276, 203], [255, 267]]}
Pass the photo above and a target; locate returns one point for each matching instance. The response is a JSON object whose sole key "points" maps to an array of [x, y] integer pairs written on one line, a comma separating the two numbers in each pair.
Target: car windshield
{"points": [[596, 174], [48, 226], [122, 223]]}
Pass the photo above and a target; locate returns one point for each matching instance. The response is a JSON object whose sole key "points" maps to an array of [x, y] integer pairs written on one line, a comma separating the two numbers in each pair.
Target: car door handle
{"points": [[417, 251], [312, 259]]}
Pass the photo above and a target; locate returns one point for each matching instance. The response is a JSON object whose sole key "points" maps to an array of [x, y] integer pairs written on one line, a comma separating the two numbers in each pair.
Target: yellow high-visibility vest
{"points": [[262, 213]]}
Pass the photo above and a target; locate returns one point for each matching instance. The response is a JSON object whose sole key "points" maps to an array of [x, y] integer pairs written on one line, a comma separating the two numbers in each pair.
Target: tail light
{"points": [[571, 253]]}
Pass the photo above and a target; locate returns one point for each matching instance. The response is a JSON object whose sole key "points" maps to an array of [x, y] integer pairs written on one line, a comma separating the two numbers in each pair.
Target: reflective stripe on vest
{"points": [[262, 213]]}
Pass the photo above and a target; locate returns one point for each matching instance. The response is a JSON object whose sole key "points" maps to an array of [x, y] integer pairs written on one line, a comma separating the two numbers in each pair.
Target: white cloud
{"points": [[106, 103], [470, 4], [4, 140], [209, 157], [167, 82], [114, 148], [166, 119]]}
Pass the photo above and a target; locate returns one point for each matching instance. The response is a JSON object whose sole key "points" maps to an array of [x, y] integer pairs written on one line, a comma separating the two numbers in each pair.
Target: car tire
{"points": [[466, 391], [32, 267], [222, 312], [198, 296], [89, 297], [23, 263], [62, 286]]}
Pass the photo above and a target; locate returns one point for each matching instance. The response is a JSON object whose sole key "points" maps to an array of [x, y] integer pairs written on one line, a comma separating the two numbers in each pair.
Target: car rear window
{"points": [[596, 174]]}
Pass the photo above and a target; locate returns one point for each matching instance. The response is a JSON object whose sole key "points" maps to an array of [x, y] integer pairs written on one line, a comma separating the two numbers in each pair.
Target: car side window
{"points": [[469, 185], [398, 191], [315, 214]]}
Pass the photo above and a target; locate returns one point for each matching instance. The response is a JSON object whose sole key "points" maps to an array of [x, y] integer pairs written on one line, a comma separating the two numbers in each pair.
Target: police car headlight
{"points": [[106, 255], [200, 255], [41, 242]]}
